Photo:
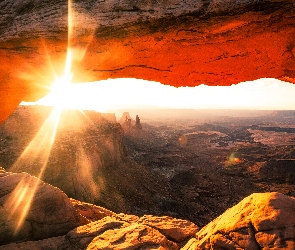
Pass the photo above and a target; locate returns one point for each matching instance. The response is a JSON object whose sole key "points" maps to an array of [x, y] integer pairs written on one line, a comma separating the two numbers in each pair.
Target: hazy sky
{"points": [[111, 94]]}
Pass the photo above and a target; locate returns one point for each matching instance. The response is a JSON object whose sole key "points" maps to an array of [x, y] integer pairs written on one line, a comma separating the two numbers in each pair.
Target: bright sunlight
{"points": [[108, 95], [62, 84], [130, 93], [39, 149]]}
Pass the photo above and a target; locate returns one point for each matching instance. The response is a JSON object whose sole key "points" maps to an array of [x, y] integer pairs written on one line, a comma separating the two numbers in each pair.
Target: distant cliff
{"points": [[87, 160]]}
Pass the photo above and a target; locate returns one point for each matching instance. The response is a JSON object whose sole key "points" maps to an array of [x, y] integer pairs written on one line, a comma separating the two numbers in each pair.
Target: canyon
{"points": [[214, 184], [87, 160], [189, 164]]}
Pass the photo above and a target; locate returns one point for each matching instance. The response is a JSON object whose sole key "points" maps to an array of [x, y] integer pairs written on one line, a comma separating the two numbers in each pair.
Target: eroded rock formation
{"points": [[71, 224], [260, 221], [33, 210], [87, 160], [173, 42]]}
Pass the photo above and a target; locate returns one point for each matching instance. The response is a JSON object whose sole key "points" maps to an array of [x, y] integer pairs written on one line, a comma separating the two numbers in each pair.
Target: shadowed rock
{"points": [[32, 210]]}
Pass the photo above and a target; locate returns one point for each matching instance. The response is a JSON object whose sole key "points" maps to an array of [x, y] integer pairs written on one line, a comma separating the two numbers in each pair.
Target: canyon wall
{"points": [[84, 156]]}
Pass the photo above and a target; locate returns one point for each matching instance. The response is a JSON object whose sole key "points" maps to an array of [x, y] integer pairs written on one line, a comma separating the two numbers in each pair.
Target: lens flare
{"points": [[233, 159], [38, 150], [70, 22], [86, 172]]}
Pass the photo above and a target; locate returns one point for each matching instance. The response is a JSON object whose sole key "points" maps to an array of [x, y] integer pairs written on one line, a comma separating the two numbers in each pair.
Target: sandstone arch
{"points": [[200, 42]]}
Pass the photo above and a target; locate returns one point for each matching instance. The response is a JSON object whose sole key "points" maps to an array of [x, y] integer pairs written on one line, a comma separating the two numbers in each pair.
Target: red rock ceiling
{"points": [[179, 51]]}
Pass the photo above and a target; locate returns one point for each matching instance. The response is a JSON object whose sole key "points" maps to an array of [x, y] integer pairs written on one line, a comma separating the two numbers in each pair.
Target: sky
{"points": [[107, 95]]}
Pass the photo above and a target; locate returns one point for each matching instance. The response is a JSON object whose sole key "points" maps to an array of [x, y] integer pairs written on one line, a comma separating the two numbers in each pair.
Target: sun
{"points": [[60, 88], [39, 149]]}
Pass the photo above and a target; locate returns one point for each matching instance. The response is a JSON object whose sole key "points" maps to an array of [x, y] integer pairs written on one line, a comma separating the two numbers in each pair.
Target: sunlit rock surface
{"points": [[108, 230], [132, 237], [175, 229], [33, 210], [260, 221], [173, 42]]}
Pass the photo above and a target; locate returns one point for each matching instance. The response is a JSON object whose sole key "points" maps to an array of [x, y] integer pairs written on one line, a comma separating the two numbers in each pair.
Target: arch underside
{"points": [[184, 50]]}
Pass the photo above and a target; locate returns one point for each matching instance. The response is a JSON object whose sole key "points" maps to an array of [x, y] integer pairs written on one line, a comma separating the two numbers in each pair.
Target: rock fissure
{"points": [[133, 66], [228, 236], [253, 232]]}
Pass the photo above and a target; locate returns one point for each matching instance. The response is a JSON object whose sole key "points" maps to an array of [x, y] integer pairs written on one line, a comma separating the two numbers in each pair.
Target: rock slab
{"points": [[260, 221], [33, 210]]}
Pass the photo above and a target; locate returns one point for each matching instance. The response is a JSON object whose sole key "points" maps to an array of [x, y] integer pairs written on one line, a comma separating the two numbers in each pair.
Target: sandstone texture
{"points": [[108, 233], [132, 237], [27, 18], [53, 221], [180, 43], [260, 221], [33, 210], [175, 229], [90, 211], [100, 228]]}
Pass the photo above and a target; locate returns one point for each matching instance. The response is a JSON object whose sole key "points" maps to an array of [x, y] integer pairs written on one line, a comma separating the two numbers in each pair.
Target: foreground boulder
{"points": [[134, 236], [36, 216], [174, 229], [260, 221], [33, 210], [117, 231]]}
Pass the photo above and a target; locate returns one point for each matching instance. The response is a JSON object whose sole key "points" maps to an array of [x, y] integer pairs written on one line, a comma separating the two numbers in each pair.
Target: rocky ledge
{"points": [[53, 221], [50, 220]]}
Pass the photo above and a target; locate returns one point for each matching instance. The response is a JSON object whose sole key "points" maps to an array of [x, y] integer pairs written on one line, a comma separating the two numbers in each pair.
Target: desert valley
{"points": [[190, 165]]}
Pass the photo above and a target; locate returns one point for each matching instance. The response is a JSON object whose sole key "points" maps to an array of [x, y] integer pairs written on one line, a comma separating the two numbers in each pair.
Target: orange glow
{"points": [[233, 159], [183, 140], [38, 150]]}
